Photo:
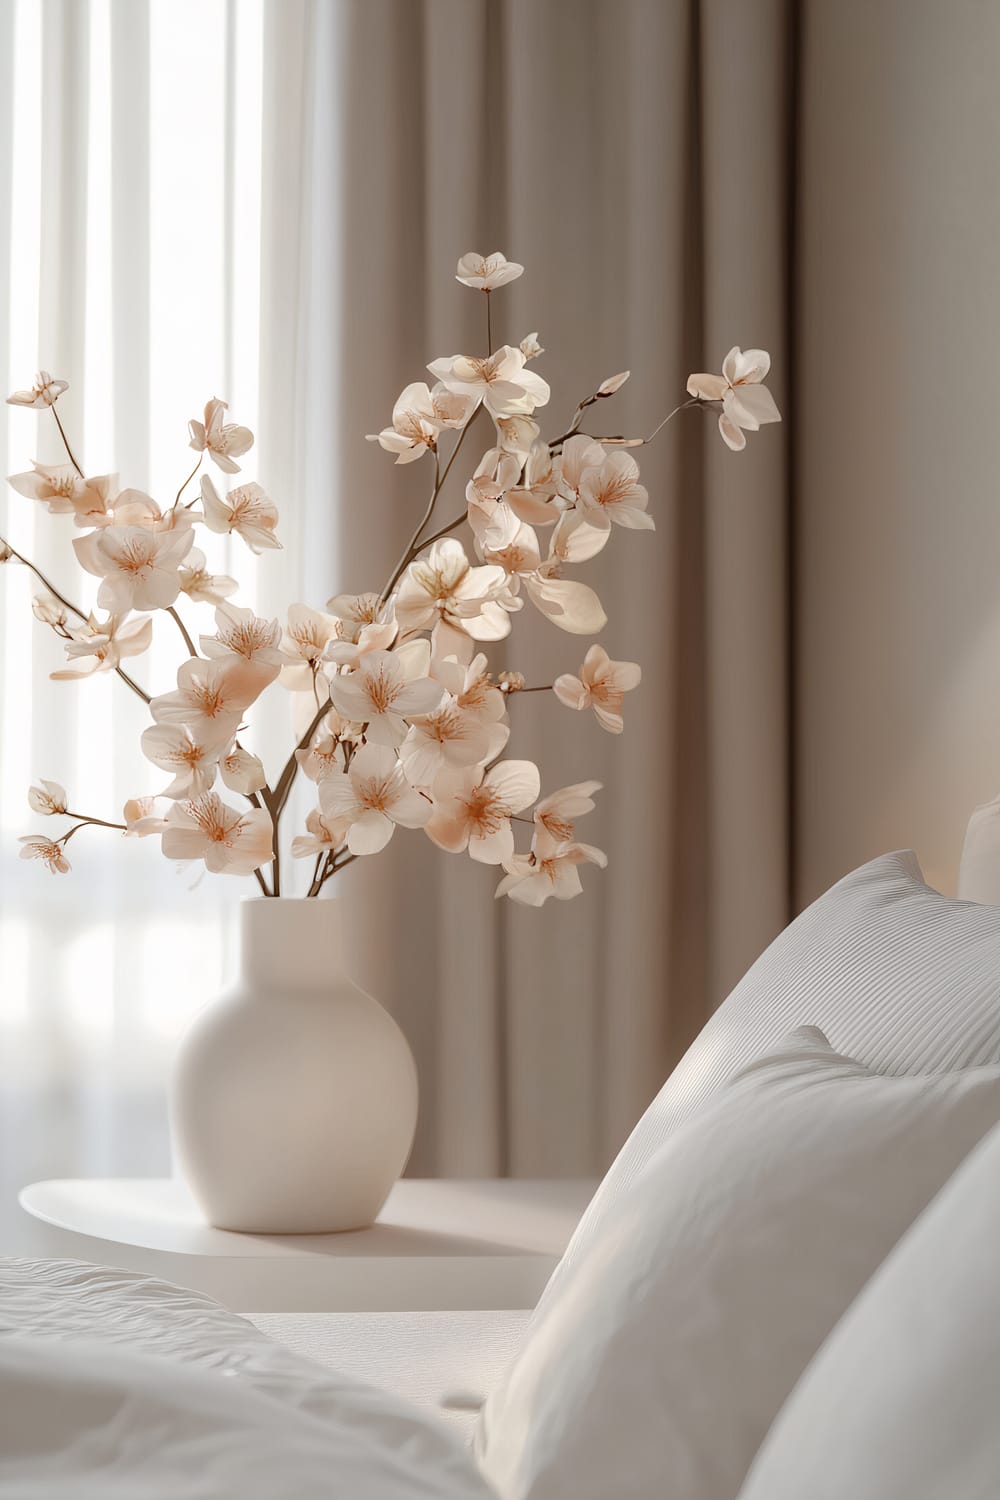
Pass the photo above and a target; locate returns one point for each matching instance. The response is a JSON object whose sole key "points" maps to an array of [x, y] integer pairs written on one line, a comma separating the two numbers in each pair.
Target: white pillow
{"points": [[113, 1368], [901, 1401], [659, 1362], [898, 976], [979, 871]]}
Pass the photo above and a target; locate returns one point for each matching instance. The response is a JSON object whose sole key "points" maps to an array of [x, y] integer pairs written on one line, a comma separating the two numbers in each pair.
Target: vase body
{"points": [[294, 1095]]}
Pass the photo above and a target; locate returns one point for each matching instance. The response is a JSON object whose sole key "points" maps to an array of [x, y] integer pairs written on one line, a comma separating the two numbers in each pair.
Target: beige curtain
{"points": [[898, 604], [634, 156]]}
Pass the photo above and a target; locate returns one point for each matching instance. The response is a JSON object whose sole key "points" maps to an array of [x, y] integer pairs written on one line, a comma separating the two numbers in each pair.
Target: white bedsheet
{"points": [[445, 1362], [115, 1386]]}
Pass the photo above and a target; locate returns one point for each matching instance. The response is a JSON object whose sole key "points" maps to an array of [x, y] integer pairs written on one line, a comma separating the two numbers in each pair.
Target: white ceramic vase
{"points": [[294, 1095]]}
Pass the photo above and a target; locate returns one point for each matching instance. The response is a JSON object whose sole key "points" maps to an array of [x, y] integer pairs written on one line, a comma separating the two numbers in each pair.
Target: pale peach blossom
{"points": [[48, 799], [133, 507], [192, 757], [450, 738], [552, 870], [141, 818], [379, 695], [200, 585], [442, 584], [613, 493], [325, 756], [419, 416], [45, 392], [746, 402], [37, 846], [473, 811], [323, 837], [471, 686], [571, 605], [101, 645], [242, 634], [230, 842], [307, 635], [533, 500], [245, 510], [355, 611], [495, 473], [499, 380], [224, 442], [556, 815], [517, 434], [511, 544], [61, 490], [139, 569], [601, 685], [377, 636], [47, 608], [211, 696], [372, 797], [486, 273], [530, 347], [508, 543], [574, 540], [241, 771], [579, 456]]}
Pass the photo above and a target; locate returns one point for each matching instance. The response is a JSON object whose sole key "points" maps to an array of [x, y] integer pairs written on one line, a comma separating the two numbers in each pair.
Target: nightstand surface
{"points": [[439, 1244]]}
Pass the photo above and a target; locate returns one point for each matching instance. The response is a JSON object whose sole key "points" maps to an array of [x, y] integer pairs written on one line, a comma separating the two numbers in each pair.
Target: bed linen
{"points": [[115, 1384], [444, 1362]]}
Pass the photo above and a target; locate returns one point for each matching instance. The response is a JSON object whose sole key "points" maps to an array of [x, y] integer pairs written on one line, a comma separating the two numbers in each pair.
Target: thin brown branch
{"points": [[415, 545], [188, 642], [74, 609], [283, 785], [62, 434], [97, 822], [618, 437], [445, 530], [177, 498]]}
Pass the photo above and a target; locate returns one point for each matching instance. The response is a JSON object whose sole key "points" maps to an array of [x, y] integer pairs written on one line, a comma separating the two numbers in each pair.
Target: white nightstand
{"points": [[439, 1245]]}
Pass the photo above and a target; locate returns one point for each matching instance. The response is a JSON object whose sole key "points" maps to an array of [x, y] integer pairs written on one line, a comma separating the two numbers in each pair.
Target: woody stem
{"points": [[62, 434], [73, 609], [189, 643]]}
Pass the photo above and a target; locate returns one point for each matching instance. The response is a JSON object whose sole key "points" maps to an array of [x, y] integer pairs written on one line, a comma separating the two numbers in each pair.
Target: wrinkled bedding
{"points": [[114, 1384]]}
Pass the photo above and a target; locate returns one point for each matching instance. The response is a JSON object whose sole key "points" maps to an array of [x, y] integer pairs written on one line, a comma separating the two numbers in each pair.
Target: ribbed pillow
{"points": [[899, 977], [655, 1368]]}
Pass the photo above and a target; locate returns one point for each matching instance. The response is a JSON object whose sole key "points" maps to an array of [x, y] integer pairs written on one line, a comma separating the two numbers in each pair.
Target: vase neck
{"points": [[290, 942]]}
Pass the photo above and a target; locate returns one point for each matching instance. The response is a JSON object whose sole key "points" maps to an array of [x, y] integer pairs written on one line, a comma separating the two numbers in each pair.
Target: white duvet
{"points": [[114, 1385]]}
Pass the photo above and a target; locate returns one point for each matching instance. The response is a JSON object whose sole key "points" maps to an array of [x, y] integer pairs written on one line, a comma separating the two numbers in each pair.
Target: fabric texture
{"points": [[901, 1400], [113, 1383], [898, 976], [657, 1364], [444, 1362], [979, 871]]}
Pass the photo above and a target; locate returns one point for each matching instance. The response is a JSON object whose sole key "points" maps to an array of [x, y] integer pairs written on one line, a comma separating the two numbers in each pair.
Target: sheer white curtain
{"points": [[130, 203]]}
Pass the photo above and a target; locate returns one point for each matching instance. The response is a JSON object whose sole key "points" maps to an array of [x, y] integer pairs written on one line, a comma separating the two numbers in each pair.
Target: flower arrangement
{"points": [[407, 725]]}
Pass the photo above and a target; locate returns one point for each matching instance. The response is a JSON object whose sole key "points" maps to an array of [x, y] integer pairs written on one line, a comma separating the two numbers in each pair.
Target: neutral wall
{"points": [[897, 493]]}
